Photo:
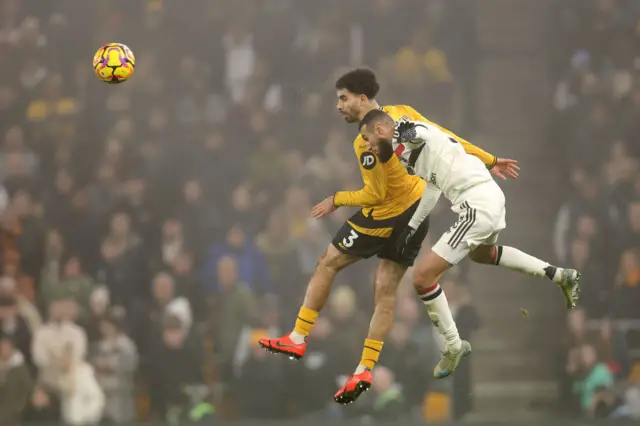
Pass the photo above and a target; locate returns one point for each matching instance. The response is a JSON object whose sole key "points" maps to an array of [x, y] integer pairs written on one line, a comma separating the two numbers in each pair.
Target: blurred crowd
{"points": [[151, 232], [596, 135]]}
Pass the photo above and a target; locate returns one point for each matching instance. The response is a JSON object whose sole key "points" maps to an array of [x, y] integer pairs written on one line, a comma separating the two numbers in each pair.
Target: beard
{"points": [[385, 151]]}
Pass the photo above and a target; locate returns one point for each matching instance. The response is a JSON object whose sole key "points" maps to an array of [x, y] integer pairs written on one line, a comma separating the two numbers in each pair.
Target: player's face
{"points": [[350, 105], [378, 137]]}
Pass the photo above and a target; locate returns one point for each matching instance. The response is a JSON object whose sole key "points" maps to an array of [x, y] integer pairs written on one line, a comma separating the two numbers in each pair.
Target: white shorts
{"points": [[481, 217]]}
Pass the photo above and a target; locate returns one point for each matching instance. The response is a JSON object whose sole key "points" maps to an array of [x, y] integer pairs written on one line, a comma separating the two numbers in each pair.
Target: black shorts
{"points": [[355, 239]]}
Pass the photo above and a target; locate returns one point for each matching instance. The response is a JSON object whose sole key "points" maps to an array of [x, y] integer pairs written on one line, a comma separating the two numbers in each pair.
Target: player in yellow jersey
{"points": [[389, 198]]}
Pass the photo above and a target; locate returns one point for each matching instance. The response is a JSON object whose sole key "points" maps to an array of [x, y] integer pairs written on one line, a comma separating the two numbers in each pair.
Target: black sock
{"points": [[550, 272]]}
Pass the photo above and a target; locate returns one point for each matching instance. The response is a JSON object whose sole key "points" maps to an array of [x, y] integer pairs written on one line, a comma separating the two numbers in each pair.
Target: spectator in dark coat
{"points": [[14, 326], [259, 387], [16, 383], [181, 351]]}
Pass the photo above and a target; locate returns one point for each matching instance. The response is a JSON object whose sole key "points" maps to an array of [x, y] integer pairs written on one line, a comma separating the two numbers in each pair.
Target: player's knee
{"points": [[483, 254], [428, 271], [333, 260], [424, 277]]}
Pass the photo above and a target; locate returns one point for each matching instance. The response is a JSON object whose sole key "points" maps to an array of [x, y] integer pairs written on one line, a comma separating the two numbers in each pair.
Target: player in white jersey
{"points": [[476, 198]]}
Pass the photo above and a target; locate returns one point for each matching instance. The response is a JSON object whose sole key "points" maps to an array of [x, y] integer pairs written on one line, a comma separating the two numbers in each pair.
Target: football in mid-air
{"points": [[114, 63]]}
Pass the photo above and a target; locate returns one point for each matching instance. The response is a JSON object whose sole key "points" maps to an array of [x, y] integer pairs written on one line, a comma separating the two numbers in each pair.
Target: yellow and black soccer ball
{"points": [[114, 63]]}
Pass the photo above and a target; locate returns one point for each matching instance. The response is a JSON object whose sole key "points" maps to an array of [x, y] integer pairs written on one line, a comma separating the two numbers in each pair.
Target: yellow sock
{"points": [[304, 322], [371, 353]]}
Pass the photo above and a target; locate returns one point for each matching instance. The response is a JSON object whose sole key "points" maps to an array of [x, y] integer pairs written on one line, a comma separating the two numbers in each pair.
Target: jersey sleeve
{"points": [[430, 198], [488, 159], [374, 176]]}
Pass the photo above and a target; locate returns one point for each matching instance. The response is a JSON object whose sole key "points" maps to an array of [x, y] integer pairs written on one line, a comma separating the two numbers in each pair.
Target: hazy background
{"points": [[152, 231]]}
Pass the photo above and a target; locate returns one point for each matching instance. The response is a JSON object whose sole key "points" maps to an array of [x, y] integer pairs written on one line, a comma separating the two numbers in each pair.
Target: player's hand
{"points": [[506, 167], [406, 131], [323, 208], [404, 239]]}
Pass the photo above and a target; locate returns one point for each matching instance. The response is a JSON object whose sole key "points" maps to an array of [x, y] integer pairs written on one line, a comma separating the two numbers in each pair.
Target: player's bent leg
{"points": [[319, 288], [509, 257], [387, 278], [427, 273], [294, 344]]}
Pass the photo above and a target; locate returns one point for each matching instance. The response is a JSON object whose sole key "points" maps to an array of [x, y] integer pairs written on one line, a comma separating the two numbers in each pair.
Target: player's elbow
{"points": [[377, 197]]}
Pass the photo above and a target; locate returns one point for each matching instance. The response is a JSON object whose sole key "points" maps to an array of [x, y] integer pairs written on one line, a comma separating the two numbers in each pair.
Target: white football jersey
{"points": [[440, 160]]}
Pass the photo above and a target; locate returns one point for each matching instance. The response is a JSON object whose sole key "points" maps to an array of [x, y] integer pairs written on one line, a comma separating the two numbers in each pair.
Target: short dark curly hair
{"points": [[375, 116], [361, 81]]}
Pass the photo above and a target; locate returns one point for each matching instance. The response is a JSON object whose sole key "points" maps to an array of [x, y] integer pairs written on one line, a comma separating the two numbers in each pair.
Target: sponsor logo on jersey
{"points": [[432, 179], [368, 160]]}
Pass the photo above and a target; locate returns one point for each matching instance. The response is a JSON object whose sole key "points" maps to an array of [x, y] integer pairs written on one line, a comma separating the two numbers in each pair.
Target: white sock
{"points": [[517, 260], [297, 338], [359, 369], [438, 309]]}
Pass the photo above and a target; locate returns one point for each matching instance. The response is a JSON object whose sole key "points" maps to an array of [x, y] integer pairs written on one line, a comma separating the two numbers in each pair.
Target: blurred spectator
{"points": [[201, 221], [344, 315], [321, 366], [252, 268], [233, 307], [59, 200], [240, 59], [26, 307], [15, 327], [468, 322], [613, 349], [115, 360], [404, 357], [82, 399], [627, 290], [311, 245], [187, 283], [278, 247], [595, 292], [121, 266], [15, 383], [258, 386], [584, 215], [389, 403], [99, 305], [180, 349], [173, 241], [72, 284], [30, 232], [138, 206], [58, 339], [167, 301], [594, 377]]}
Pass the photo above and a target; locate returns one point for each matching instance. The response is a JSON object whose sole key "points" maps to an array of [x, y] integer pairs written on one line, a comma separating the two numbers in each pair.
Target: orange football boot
{"points": [[284, 345], [355, 385]]}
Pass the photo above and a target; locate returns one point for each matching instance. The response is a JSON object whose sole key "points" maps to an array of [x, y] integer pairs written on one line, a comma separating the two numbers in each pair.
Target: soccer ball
{"points": [[114, 63]]}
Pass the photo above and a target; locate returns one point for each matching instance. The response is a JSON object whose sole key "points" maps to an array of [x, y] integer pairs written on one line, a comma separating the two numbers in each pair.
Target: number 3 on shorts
{"points": [[348, 241]]}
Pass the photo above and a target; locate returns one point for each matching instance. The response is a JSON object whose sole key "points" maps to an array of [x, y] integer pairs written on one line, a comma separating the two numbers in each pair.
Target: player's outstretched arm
{"points": [[430, 198], [500, 167]]}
